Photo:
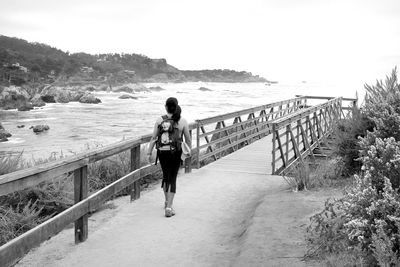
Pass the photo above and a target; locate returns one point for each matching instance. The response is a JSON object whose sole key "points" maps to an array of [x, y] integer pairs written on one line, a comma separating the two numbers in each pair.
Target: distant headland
{"points": [[24, 62]]}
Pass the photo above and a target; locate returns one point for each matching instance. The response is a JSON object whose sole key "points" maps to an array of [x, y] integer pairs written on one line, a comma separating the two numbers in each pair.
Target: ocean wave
{"points": [[38, 119], [13, 140]]}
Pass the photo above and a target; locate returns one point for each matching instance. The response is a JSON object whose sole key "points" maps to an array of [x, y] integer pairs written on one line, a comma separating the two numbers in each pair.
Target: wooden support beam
{"points": [[305, 139], [295, 146], [135, 164], [81, 190]]}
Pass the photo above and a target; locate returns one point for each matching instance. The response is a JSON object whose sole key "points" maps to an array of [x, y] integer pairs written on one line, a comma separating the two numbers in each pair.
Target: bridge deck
{"points": [[229, 213]]}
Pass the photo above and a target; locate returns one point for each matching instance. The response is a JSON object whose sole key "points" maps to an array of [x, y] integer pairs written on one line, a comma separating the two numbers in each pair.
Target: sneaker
{"points": [[169, 212]]}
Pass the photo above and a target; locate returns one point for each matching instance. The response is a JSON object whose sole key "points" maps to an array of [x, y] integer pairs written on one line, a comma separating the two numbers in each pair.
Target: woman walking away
{"points": [[167, 136]]}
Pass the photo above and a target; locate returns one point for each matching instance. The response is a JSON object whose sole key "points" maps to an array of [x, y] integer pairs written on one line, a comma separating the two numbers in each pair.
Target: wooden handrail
{"points": [[304, 112], [326, 97], [246, 111]]}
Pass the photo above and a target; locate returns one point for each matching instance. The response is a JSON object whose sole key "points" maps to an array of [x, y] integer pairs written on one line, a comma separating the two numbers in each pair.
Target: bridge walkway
{"points": [[229, 213]]}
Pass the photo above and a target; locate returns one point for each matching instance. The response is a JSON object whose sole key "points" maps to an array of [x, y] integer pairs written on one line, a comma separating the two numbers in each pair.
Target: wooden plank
{"points": [[278, 139], [201, 157], [135, 164], [236, 134], [198, 145], [305, 140], [16, 181], [273, 148], [245, 111], [15, 249], [80, 193]]}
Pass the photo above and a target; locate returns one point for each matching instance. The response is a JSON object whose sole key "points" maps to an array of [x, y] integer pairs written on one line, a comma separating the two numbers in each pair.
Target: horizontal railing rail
{"points": [[297, 135], [223, 134]]}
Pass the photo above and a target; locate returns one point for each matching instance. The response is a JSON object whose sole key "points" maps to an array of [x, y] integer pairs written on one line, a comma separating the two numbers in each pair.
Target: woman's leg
{"points": [[173, 173], [165, 184]]}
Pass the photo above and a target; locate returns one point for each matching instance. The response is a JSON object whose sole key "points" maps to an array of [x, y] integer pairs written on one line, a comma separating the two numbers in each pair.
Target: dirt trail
{"points": [[224, 217]]}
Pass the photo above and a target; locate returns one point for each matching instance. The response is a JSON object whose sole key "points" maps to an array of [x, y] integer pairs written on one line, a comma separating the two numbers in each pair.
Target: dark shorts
{"points": [[170, 163]]}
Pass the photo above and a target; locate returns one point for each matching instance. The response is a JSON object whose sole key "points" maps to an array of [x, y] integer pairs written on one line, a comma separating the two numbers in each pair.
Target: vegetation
{"points": [[23, 210], [46, 64], [363, 227]]}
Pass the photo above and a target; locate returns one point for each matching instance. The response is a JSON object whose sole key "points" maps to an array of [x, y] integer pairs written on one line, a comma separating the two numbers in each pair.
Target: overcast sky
{"points": [[314, 40]]}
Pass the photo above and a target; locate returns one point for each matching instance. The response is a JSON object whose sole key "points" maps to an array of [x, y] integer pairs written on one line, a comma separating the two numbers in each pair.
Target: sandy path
{"points": [[225, 217]]}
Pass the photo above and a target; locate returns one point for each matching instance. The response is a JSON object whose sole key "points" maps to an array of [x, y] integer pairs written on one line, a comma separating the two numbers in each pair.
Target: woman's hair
{"points": [[173, 108]]}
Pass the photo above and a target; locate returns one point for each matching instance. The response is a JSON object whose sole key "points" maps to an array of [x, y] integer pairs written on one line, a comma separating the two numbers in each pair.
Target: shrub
{"points": [[11, 162], [382, 159], [364, 222], [15, 221], [382, 106], [346, 142]]}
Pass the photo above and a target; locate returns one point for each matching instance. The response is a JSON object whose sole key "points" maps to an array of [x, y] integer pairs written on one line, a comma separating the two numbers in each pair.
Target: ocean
{"points": [[74, 126]]}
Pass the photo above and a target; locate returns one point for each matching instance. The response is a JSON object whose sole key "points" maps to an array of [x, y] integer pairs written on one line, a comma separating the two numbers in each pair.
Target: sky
{"points": [[353, 41]]}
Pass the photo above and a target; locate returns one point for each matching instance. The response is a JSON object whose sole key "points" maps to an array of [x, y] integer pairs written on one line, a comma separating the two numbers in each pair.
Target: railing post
{"points": [[188, 161], [273, 147], [198, 144], [80, 193], [135, 164]]}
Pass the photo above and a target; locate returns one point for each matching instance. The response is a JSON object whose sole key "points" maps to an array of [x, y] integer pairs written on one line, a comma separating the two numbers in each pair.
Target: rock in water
{"points": [[126, 96], [48, 98], [125, 89], [89, 99], [40, 128], [37, 101], [4, 134], [204, 89], [26, 107], [156, 88]]}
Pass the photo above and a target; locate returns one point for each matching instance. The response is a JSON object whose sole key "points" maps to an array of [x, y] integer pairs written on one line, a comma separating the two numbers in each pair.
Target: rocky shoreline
{"points": [[25, 98]]}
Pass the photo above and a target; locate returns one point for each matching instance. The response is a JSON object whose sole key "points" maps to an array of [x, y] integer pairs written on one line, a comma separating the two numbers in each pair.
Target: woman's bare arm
{"points": [[188, 138], [153, 139]]}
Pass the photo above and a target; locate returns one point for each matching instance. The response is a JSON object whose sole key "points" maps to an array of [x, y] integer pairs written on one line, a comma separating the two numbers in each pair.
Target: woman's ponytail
{"points": [[173, 108]]}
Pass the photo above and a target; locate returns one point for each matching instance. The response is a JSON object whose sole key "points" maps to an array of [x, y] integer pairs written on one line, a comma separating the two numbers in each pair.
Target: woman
{"points": [[167, 136]]}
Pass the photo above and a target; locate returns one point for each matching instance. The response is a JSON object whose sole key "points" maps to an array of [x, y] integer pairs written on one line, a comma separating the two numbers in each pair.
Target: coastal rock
{"points": [[62, 94], [48, 99], [21, 126], [156, 88], [205, 89], [40, 128], [131, 88], [26, 107], [4, 134], [90, 89], [13, 97], [102, 88], [63, 97], [37, 101], [126, 96], [75, 96], [89, 99], [125, 89]]}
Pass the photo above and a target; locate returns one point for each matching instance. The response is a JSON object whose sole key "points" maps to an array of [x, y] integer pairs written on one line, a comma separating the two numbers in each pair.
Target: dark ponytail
{"points": [[173, 108]]}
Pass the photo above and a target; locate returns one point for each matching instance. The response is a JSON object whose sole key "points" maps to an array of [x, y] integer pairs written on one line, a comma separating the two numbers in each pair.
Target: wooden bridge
{"points": [[290, 131]]}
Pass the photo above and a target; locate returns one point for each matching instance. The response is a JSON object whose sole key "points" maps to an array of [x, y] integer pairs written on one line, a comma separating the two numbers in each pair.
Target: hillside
{"points": [[22, 62]]}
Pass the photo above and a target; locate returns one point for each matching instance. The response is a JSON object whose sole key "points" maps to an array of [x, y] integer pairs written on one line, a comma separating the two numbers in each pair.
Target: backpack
{"points": [[168, 135]]}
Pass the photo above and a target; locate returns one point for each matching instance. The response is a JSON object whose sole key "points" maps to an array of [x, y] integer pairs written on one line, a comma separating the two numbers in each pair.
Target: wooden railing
{"points": [[297, 135], [228, 132], [12, 251], [219, 135]]}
